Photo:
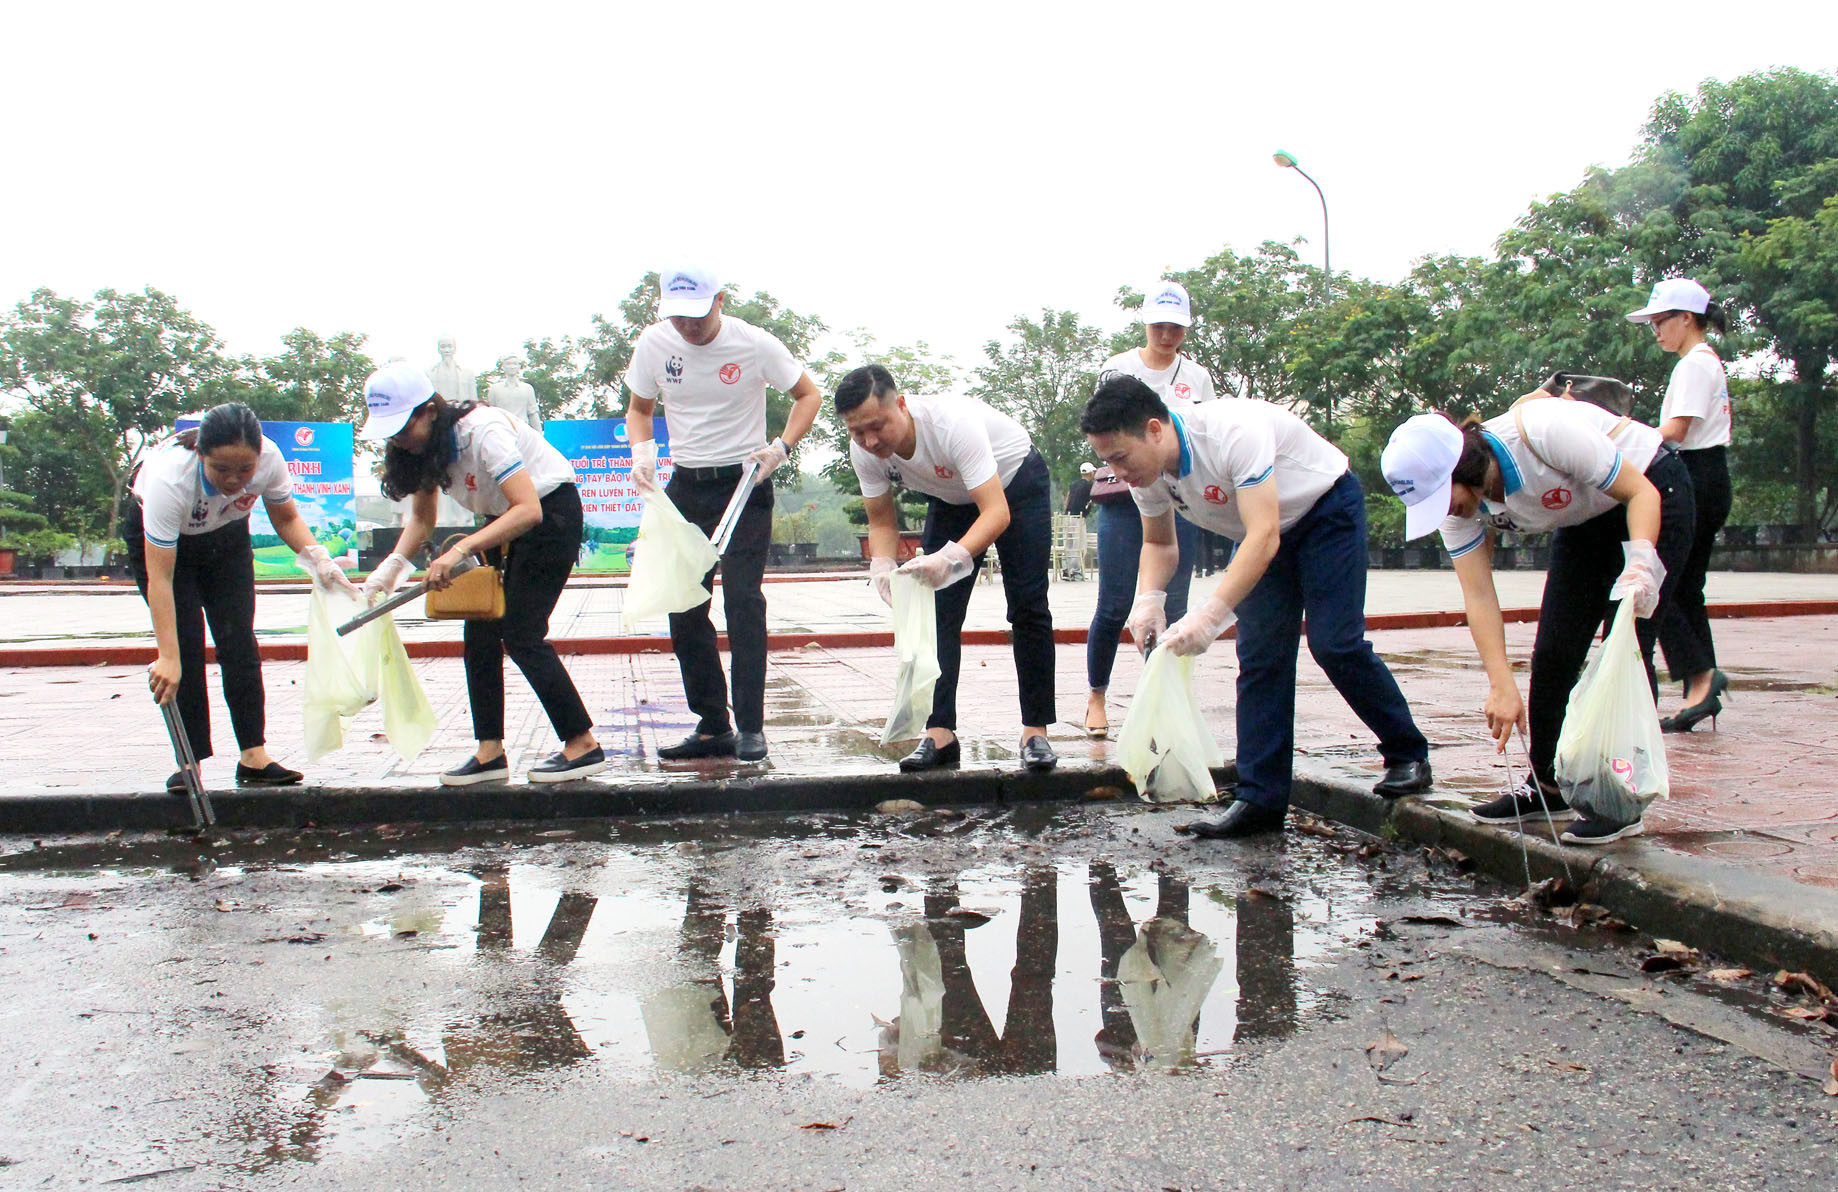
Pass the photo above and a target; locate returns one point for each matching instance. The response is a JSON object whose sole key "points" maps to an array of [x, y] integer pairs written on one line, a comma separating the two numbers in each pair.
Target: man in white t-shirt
{"points": [[711, 372], [986, 485], [1257, 474]]}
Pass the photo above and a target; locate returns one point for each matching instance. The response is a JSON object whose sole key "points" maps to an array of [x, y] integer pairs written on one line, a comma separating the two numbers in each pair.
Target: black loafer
{"points": [[1404, 778], [1036, 754], [272, 774], [930, 755], [696, 745], [1240, 819], [561, 768], [472, 770], [750, 747], [175, 784]]}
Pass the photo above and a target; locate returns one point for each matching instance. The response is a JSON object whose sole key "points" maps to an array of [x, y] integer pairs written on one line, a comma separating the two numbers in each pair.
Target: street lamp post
{"points": [[1288, 162]]}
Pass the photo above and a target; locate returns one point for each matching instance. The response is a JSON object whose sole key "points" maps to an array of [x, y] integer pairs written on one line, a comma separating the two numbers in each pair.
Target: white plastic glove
{"points": [[644, 465], [318, 562], [1200, 628], [880, 574], [1641, 578], [769, 458], [1148, 617], [943, 567], [384, 579]]}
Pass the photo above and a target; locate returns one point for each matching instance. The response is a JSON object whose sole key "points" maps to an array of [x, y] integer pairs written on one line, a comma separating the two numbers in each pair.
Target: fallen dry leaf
{"points": [[899, 807], [1807, 1013], [1729, 974], [1385, 1051], [827, 1125], [1804, 981], [1674, 948], [1313, 826], [1100, 793], [223, 904], [1831, 1086]]}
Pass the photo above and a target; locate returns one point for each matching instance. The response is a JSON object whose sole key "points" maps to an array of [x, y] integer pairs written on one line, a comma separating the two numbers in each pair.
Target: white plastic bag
{"points": [[673, 557], [1165, 977], [915, 640], [1611, 758], [336, 685], [1165, 744], [408, 718]]}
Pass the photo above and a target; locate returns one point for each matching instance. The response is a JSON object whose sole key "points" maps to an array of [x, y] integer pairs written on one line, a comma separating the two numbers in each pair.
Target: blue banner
{"points": [[602, 459]]}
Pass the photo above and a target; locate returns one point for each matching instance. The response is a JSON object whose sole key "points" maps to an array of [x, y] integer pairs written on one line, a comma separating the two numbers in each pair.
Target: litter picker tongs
{"points": [[724, 529], [202, 814], [401, 598]]}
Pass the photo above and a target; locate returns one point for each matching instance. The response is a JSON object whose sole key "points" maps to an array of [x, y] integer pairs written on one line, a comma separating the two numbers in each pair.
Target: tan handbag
{"points": [[477, 595]]}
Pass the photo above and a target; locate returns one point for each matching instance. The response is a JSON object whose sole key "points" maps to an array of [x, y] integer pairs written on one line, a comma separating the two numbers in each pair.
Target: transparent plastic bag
{"points": [[1165, 744], [915, 640], [1165, 977], [1611, 757], [408, 718], [337, 685], [673, 557]]}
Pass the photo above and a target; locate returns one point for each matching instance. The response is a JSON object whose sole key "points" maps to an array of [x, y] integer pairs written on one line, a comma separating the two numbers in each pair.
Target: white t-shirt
{"points": [[492, 447], [714, 395], [1183, 380], [176, 498], [958, 443], [1574, 437], [1699, 390], [1232, 445]]}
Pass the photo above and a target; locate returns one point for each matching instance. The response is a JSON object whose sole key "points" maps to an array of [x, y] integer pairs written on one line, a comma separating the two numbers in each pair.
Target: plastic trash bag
{"points": [[913, 1042], [915, 640], [337, 686], [667, 573], [1165, 744], [1165, 977], [1611, 758], [408, 718]]}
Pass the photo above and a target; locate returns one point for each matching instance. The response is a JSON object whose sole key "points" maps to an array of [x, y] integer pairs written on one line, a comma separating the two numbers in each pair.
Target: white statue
{"points": [[453, 380], [514, 395]]}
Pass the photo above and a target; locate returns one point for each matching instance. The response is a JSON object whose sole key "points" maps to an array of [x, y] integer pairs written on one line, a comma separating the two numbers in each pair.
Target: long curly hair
{"points": [[406, 472]]}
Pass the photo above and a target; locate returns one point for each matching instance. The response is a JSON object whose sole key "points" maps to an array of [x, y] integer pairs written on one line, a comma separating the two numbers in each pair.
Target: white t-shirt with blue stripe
{"points": [[493, 447], [1231, 445], [1583, 461], [176, 498]]}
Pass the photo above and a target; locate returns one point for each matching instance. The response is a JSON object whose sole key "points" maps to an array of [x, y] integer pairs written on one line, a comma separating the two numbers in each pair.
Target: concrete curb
{"points": [[1748, 916]]}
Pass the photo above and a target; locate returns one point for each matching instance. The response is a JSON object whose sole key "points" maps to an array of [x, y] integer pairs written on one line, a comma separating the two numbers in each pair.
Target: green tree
{"points": [[313, 379], [915, 368], [126, 364], [50, 456], [1041, 377]]}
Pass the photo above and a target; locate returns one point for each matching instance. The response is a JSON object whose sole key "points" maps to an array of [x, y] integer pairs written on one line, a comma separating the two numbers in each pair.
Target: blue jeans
{"points": [[1319, 570], [1119, 554]]}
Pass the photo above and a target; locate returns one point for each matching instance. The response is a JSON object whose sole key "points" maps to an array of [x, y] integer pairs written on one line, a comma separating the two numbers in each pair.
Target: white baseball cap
{"points": [[1167, 302], [1088, 469], [1419, 465], [1674, 293], [686, 293], [393, 393]]}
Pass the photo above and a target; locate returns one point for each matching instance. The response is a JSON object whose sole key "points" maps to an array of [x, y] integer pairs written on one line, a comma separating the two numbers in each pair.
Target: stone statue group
{"points": [[510, 392]]}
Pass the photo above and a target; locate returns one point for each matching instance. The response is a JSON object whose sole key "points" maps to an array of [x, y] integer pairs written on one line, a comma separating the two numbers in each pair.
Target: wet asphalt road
{"points": [[1026, 998]]}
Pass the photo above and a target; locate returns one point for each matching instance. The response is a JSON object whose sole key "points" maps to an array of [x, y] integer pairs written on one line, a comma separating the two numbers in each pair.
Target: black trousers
{"points": [[1585, 560], [213, 579], [692, 634], [536, 567], [1026, 551], [1684, 634]]}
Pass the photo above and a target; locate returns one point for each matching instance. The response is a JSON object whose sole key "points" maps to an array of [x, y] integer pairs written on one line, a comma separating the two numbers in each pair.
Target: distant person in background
{"points": [[187, 533], [1167, 313], [1078, 497], [1696, 418]]}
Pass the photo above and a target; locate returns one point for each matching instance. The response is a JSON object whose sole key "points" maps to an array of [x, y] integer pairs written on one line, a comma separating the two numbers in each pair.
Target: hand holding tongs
{"points": [[403, 597]]}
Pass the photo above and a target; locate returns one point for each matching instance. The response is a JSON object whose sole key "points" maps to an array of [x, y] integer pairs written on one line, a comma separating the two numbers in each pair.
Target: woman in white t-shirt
{"points": [[1619, 501], [1696, 417], [187, 532], [502, 469]]}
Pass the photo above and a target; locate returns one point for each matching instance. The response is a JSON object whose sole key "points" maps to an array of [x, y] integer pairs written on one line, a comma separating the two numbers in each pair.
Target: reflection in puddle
{"points": [[645, 962]]}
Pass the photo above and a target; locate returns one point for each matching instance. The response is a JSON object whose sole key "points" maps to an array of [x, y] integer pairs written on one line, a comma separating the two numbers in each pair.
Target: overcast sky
{"points": [[927, 171]]}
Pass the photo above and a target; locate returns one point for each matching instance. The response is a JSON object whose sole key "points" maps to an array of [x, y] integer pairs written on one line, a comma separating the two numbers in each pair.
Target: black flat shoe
{"points": [[472, 771], [1405, 778], [750, 747], [175, 784], [561, 768], [272, 774], [1036, 754], [1240, 819], [930, 755], [696, 745]]}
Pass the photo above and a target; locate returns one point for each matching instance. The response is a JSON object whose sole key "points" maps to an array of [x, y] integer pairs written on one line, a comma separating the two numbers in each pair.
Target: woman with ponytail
{"points": [[187, 532], [1696, 419]]}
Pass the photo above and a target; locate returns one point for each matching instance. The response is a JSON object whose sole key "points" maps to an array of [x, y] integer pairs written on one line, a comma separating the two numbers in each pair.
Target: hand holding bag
{"points": [[673, 556], [915, 640], [476, 595], [1165, 744]]}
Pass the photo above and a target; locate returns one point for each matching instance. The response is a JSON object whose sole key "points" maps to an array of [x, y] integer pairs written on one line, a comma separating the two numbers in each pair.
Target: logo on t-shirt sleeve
{"points": [[943, 473], [1216, 495], [730, 373], [1556, 498]]}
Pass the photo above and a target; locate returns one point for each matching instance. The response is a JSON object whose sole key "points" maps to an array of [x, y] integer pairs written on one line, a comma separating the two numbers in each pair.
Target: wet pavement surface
{"points": [[1032, 997]]}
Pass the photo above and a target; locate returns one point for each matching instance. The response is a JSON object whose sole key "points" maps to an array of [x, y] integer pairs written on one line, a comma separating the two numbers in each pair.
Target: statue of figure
{"points": [[453, 380], [514, 395]]}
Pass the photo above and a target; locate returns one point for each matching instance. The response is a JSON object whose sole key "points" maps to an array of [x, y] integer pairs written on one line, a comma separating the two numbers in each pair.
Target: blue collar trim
{"points": [[1509, 470], [1180, 434], [205, 481]]}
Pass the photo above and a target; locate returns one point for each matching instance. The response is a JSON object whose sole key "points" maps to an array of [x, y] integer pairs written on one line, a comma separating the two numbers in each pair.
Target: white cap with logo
{"points": [[1419, 465], [393, 393], [1674, 293], [1088, 469], [686, 293], [1167, 302]]}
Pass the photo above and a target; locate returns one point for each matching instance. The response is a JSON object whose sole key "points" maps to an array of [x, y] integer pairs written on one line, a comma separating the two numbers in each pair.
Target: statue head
{"points": [[510, 367], [447, 347]]}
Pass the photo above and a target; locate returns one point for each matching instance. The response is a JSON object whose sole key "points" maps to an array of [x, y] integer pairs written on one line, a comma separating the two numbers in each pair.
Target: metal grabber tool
{"points": [[401, 598], [202, 815], [724, 529]]}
